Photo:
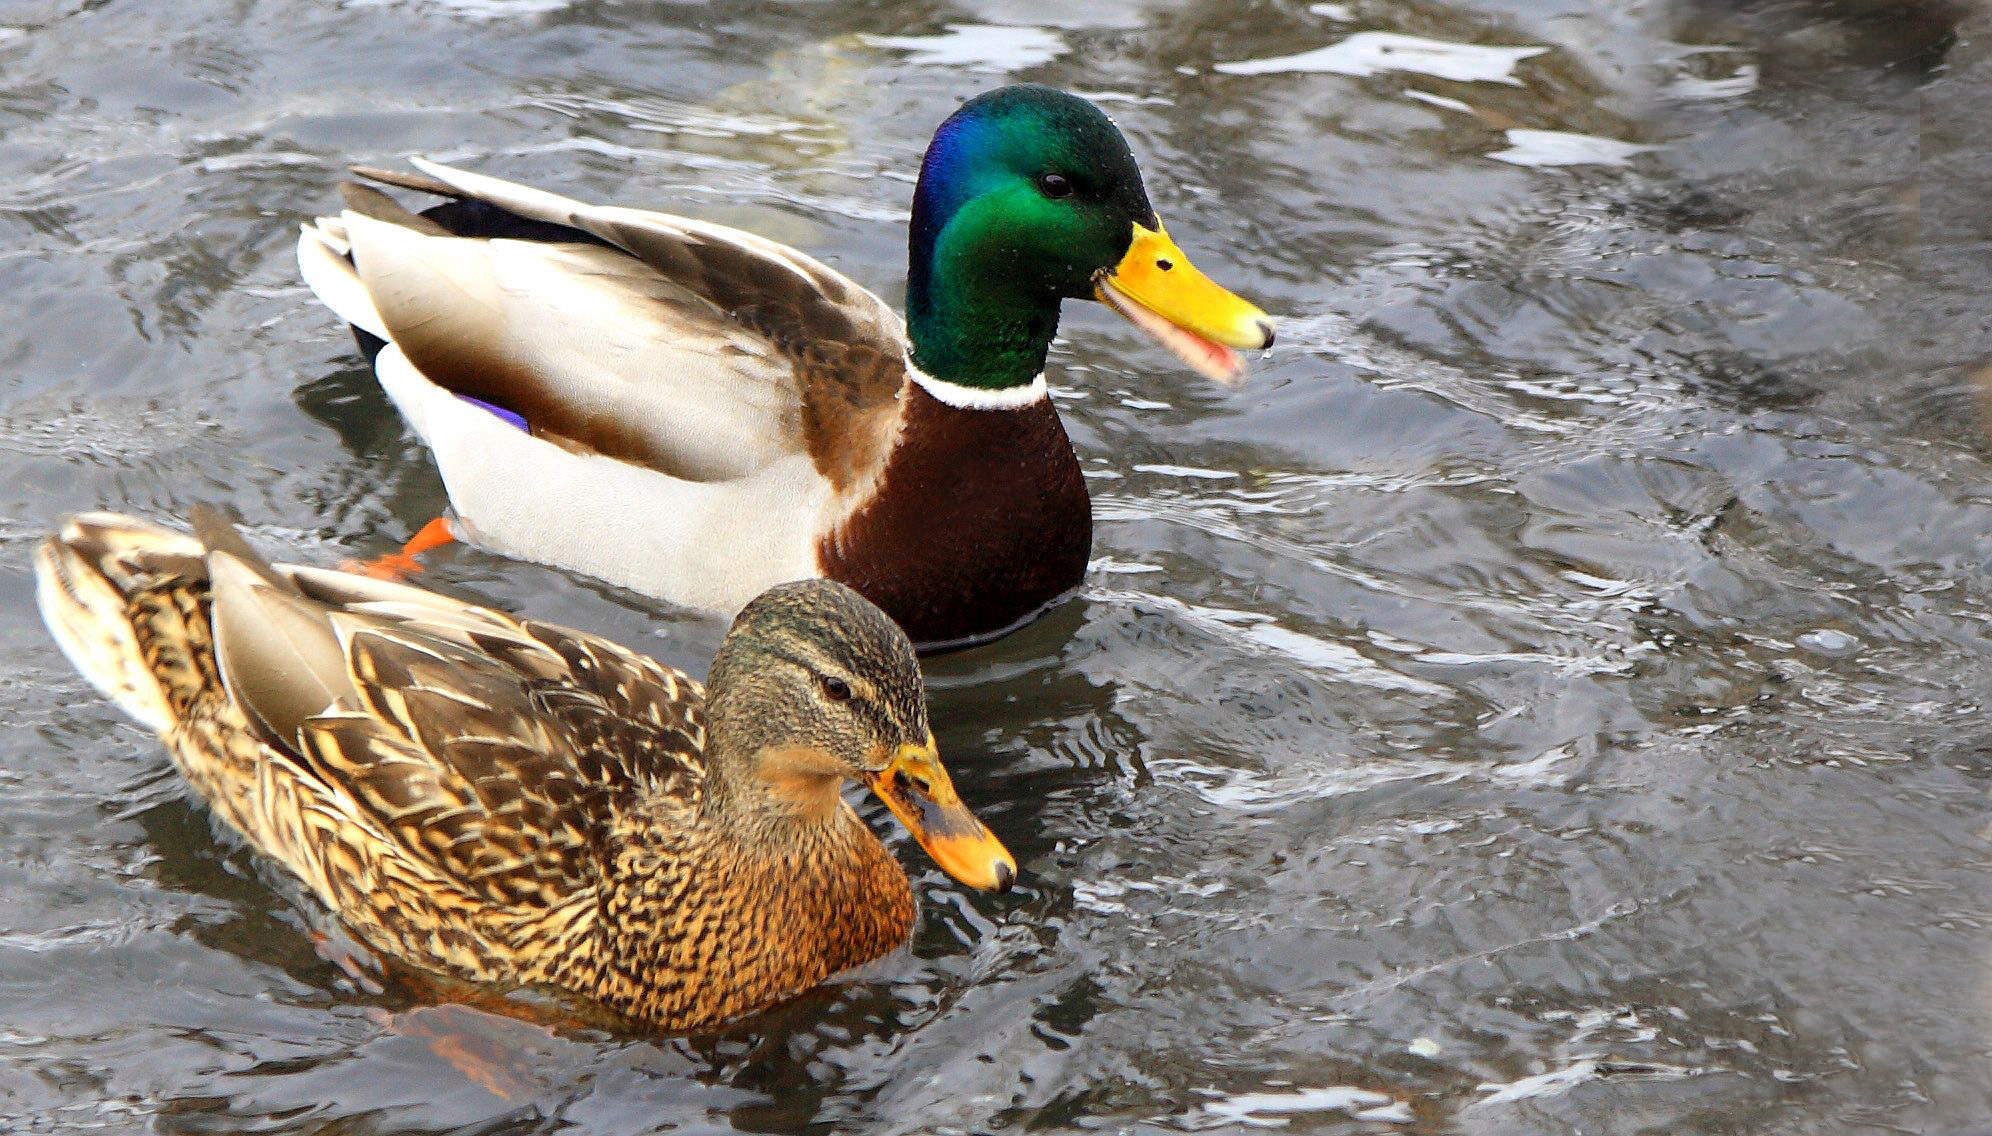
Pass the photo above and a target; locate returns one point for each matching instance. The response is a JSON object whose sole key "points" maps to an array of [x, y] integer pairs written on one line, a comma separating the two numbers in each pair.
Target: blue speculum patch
{"points": [[516, 421]]}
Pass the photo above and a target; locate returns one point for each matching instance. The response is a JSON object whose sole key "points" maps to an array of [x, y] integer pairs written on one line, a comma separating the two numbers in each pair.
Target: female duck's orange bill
{"points": [[1159, 291], [917, 790]]}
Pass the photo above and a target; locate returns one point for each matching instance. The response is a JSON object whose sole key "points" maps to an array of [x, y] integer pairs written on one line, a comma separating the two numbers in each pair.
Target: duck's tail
{"points": [[106, 583], [325, 259]]}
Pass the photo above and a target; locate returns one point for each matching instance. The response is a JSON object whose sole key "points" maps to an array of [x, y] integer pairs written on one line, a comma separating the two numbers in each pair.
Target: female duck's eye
{"points": [[836, 689], [1054, 185]]}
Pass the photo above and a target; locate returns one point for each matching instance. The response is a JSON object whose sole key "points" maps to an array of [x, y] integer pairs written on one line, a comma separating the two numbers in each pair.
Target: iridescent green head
{"points": [[1029, 196]]}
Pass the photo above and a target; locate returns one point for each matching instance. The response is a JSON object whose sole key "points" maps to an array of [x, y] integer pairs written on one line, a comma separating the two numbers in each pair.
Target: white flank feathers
{"points": [[711, 545]]}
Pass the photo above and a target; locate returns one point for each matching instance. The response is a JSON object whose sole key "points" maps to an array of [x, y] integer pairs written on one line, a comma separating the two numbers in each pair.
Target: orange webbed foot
{"points": [[400, 565]]}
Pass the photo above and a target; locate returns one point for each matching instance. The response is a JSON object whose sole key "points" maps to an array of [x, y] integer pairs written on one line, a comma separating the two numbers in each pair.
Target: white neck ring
{"points": [[979, 398]]}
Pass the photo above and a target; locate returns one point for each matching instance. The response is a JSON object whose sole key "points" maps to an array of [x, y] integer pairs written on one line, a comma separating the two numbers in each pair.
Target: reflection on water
{"points": [[1549, 697], [1376, 53], [978, 47]]}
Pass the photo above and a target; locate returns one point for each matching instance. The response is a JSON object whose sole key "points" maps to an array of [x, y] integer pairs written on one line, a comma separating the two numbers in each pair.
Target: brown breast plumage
{"points": [[980, 518]]}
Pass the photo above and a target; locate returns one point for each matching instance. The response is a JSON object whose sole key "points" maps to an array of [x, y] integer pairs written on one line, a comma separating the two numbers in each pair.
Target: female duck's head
{"points": [[1029, 196], [814, 686]]}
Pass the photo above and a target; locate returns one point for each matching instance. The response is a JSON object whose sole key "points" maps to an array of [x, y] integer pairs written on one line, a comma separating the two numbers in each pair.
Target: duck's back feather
{"points": [[695, 350], [459, 772]]}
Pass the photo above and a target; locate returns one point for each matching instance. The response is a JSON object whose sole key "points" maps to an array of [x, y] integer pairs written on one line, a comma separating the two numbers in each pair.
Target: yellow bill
{"points": [[1159, 291], [917, 790]]}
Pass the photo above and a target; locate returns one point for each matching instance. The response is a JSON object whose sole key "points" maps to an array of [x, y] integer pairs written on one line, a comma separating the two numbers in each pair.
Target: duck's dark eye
{"points": [[836, 689], [1054, 185]]}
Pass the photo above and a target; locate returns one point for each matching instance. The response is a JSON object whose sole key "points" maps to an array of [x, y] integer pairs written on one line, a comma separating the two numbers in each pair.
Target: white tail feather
{"points": [[321, 259], [524, 200]]}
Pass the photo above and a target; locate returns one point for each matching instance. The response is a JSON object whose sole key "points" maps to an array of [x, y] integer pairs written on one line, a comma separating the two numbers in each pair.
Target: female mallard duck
{"points": [[697, 413], [498, 801]]}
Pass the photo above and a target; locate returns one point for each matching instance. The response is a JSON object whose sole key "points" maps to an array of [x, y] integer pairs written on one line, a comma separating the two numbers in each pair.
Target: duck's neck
{"points": [[974, 321]]}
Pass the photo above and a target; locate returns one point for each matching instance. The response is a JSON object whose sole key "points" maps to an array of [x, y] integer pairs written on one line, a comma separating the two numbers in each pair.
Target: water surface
{"points": [[1549, 697]]}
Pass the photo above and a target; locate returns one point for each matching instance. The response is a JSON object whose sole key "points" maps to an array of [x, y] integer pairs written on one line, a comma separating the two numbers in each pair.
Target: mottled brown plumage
{"points": [[501, 801]]}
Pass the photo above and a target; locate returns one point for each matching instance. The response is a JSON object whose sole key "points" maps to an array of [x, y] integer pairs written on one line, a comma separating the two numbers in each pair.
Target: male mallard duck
{"points": [[696, 412], [499, 801]]}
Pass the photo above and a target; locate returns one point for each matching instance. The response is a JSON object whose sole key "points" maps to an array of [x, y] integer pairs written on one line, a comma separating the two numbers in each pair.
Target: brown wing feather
{"points": [[630, 686], [278, 654], [593, 401], [495, 773], [441, 773], [846, 347], [752, 307]]}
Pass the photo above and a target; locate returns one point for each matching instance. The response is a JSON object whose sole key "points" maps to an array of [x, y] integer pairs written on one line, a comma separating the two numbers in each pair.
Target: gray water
{"points": [[1550, 697]]}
